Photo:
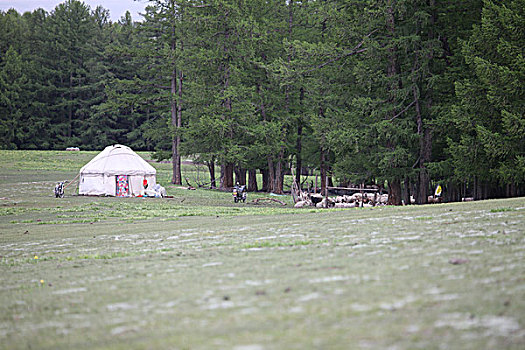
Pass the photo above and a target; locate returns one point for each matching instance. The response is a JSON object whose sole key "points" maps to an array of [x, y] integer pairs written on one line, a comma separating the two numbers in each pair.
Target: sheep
{"points": [[342, 201], [432, 199], [357, 197], [316, 198], [301, 204], [326, 203], [344, 205]]}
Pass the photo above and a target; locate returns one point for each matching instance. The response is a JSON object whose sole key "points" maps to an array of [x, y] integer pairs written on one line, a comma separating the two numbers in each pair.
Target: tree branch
{"points": [[352, 52], [403, 111]]}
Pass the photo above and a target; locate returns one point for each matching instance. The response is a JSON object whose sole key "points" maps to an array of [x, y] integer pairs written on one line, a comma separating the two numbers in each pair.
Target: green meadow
{"points": [[197, 271]]}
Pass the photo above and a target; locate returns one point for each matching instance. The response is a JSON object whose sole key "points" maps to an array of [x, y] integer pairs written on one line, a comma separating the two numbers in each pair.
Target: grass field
{"points": [[197, 271]]}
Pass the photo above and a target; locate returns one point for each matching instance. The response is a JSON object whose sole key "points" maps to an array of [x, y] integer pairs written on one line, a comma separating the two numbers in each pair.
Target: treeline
{"points": [[403, 94]]}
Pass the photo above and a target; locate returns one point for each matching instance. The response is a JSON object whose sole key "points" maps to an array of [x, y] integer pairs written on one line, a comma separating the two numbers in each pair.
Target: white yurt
{"points": [[116, 171]]}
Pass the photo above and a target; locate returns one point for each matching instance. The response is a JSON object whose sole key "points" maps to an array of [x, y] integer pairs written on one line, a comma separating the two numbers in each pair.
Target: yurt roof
{"points": [[118, 160]]}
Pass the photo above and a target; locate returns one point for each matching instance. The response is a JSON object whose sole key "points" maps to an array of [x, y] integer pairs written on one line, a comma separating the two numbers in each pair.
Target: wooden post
{"points": [[198, 177], [362, 194], [294, 191]]}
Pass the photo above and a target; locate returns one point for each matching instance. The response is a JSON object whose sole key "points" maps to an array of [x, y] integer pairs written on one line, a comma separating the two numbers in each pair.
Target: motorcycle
{"points": [[239, 193]]}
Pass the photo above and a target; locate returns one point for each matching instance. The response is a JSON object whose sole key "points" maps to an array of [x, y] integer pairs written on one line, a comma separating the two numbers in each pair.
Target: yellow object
{"points": [[36, 257], [438, 191]]}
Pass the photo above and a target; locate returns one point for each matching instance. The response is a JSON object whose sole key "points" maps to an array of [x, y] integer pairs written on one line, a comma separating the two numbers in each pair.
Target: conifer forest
{"points": [[400, 94]]}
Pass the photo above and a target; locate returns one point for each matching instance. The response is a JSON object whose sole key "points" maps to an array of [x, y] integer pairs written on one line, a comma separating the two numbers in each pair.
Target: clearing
{"points": [[197, 271]]}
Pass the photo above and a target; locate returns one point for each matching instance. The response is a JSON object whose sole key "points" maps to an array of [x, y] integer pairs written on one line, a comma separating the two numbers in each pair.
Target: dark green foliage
{"points": [[489, 150], [13, 82], [403, 94]]}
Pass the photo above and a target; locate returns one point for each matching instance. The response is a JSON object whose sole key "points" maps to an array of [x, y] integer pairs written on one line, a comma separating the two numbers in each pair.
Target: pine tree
{"points": [[13, 82], [69, 30], [489, 153]]}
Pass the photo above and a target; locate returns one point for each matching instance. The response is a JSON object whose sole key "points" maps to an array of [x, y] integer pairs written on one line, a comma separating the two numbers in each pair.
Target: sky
{"points": [[116, 8]]}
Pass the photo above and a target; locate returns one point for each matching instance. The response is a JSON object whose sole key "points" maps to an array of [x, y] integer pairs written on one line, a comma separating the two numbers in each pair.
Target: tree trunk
{"points": [[240, 175], [299, 144], [423, 184], [394, 192], [267, 174], [271, 175], [176, 115], [211, 169], [330, 179], [279, 174], [265, 180], [423, 179], [451, 193], [175, 158], [252, 180], [179, 122], [298, 156], [323, 172], [226, 176], [406, 192], [475, 194]]}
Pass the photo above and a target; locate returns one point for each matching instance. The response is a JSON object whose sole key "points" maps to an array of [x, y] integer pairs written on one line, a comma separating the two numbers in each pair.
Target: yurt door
{"points": [[122, 186]]}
